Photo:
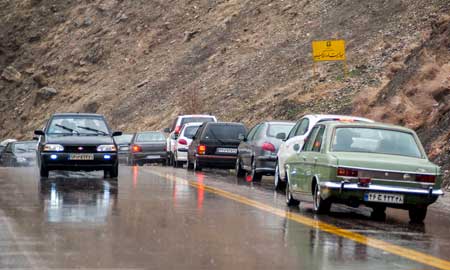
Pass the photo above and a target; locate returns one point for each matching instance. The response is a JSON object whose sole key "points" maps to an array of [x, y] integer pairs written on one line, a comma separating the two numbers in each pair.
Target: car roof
{"points": [[225, 123], [362, 124], [79, 114], [279, 122], [325, 116], [195, 115], [149, 131]]}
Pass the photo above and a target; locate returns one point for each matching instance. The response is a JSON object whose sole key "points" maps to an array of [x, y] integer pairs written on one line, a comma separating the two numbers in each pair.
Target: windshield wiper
{"points": [[94, 130], [68, 129]]}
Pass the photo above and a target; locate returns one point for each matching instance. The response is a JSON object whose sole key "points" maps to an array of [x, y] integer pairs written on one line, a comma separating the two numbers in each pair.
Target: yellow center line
{"points": [[359, 238]]}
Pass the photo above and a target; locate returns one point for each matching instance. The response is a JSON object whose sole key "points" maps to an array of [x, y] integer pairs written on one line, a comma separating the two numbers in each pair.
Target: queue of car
{"points": [[321, 159]]}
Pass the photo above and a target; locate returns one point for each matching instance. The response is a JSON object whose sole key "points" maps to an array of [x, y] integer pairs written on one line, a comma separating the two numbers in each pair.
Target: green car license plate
{"points": [[81, 157], [383, 197]]}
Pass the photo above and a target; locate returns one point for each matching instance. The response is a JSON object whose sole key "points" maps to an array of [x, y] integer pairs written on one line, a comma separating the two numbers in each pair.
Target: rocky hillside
{"points": [[142, 62]]}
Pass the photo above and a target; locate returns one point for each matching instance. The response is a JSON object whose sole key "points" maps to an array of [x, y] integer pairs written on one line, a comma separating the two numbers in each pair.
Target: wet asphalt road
{"points": [[151, 218]]}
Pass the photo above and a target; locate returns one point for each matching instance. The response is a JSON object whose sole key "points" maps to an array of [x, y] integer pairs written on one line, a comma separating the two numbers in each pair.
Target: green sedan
{"points": [[374, 164]]}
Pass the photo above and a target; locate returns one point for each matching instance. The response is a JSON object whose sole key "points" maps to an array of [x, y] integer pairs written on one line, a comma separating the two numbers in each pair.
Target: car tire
{"points": [[417, 214], [256, 177], [114, 172], [290, 201], [43, 171], [278, 183], [189, 166], [197, 167], [238, 168], [321, 206], [378, 213]]}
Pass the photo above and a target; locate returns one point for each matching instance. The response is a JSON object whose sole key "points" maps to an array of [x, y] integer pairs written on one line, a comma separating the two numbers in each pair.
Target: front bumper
{"points": [[62, 162], [352, 192]]}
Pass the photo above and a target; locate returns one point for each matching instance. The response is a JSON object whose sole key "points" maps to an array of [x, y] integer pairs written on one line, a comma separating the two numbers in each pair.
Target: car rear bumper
{"points": [[150, 156], [62, 162], [266, 164], [217, 161], [181, 155], [123, 157], [341, 191]]}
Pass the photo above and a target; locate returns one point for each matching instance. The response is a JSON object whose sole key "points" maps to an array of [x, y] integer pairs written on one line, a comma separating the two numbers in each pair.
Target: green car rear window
{"points": [[375, 140]]}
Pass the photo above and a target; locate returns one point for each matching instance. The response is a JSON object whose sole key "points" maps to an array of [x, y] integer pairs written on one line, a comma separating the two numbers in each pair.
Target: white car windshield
{"points": [[375, 140]]}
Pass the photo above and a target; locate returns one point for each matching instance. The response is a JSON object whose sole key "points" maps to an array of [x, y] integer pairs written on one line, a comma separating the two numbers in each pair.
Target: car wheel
{"points": [[256, 177], [378, 213], [189, 166], [321, 206], [239, 171], [417, 214], [278, 183], [197, 167], [174, 163], [43, 172], [290, 201], [114, 172]]}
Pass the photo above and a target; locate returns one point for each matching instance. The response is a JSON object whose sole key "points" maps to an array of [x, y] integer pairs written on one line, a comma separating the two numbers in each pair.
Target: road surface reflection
{"points": [[77, 200]]}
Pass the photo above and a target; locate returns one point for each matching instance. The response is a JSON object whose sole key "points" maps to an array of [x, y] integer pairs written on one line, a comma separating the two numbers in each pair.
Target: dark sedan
{"points": [[19, 154], [148, 147], [215, 145], [257, 153], [77, 142]]}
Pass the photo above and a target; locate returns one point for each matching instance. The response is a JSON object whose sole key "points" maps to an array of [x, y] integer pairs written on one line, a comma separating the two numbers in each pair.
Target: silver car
{"points": [[257, 152]]}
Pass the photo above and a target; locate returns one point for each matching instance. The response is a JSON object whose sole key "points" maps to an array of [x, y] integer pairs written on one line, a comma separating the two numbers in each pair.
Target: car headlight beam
{"points": [[106, 148]]}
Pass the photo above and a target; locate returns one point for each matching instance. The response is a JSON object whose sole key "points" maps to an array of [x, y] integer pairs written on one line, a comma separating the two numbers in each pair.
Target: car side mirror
{"points": [[39, 132], [296, 147], [242, 137], [281, 136], [193, 137], [167, 130], [117, 133]]}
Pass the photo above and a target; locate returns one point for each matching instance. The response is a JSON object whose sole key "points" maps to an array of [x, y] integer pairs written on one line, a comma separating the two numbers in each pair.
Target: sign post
{"points": [[329, 50]]}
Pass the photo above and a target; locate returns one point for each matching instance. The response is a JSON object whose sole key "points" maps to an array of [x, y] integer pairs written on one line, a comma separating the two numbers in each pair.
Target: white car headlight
{"points": [[53, 148], [106, 148]]}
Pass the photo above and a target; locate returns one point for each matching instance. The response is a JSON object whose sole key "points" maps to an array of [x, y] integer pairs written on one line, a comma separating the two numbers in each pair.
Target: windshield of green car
{"points": [[375, 140], [77, 125]]}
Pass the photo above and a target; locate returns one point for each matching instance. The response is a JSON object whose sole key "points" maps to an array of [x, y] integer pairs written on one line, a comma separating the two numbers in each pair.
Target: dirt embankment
{"points": [[139, 62], [418, 94]]}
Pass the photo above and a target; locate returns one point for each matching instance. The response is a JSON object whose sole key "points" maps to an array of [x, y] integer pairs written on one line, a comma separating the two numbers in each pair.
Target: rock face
{"points": [[11, 74], [46, 92]]}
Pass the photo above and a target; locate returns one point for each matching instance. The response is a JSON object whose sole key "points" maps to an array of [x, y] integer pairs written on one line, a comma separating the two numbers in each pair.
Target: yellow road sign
{"points": [[329, 50]]}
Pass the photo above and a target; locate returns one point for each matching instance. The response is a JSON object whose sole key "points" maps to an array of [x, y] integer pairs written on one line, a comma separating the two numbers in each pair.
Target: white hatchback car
{"points": [[294, 141], [182, 143], [177, 124]]}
